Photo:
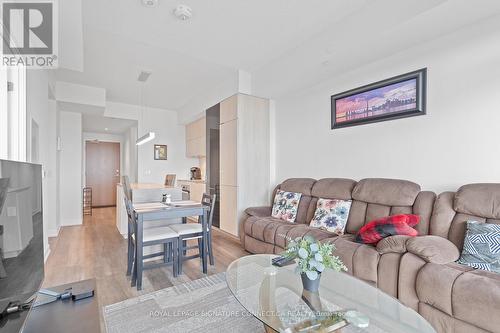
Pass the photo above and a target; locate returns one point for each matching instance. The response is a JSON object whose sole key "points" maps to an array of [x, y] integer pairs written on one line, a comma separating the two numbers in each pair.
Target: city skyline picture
{"points": [[392, 98]]}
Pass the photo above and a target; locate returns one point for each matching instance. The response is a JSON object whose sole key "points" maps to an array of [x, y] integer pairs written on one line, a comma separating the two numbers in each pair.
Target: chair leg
{"points": [[173, 246], [130, 256], [180, 254], [166, 256], [199, 248], [210, 253], [133, 281]]}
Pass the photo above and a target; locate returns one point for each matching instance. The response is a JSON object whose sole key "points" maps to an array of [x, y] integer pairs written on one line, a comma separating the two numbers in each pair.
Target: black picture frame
{"points": [[420, 108], [160, 152]]}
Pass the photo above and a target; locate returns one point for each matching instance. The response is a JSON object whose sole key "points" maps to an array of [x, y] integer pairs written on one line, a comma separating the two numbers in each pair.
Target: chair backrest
{"points": [[209, 201], [4, 184], [130, 214], [126, 187], [170, 180]]}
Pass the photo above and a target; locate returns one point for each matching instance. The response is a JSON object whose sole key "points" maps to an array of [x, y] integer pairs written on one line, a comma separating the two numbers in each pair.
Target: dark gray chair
{"points": [[189, 231], [150, 236], [4, 185]]}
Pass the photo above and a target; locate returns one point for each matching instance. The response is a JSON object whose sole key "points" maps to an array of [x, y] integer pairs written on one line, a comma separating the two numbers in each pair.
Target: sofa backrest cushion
{"points": [[476, 202], [388, 192], [304, 186], [374, 198], [478, 199]]}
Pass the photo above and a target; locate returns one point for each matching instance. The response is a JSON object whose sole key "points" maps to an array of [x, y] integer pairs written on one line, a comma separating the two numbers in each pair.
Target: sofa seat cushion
{"points": [[476, 299], [361, 260], [460, 291], [264, 228]]}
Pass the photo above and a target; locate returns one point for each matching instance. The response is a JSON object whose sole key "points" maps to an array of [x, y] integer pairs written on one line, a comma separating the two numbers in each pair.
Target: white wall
{"points": [[37, 109], [457, 142], [70, 173], [168, 132], [130, 155]]}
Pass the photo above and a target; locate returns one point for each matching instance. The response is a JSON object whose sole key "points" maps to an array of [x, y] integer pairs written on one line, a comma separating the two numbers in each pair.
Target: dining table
{"points": [[146, 212]]}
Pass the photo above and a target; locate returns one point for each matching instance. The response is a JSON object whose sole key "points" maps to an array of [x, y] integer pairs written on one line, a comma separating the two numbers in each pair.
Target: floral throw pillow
{"points": [[331, 215], [286, 205]]}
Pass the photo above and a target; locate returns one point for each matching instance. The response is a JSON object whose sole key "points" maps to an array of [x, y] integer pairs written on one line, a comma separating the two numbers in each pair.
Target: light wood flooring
{"points": [[97, 250]]}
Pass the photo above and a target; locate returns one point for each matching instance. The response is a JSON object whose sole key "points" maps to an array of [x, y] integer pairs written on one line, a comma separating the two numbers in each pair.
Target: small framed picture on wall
{"points": [[160, 152]]}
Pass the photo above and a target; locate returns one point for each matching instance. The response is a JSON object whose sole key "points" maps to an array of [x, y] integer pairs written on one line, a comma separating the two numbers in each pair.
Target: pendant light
{"points": [[143, 76]]}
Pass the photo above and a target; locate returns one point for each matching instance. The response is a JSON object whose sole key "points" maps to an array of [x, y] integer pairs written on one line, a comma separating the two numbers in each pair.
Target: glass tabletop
{"points": [[275, 296]]}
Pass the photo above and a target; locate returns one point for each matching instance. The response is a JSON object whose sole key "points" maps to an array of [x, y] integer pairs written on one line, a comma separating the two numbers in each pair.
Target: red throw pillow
{"points": [[374, 231]]}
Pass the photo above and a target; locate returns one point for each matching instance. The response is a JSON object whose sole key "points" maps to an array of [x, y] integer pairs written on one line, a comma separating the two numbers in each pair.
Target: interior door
{"points": [[102, 171]]}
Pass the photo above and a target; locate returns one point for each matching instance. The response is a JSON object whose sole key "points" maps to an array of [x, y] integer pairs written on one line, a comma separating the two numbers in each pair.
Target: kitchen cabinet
{"points": [[228, 153], [228, 212], [244, 158], [196, 138]]}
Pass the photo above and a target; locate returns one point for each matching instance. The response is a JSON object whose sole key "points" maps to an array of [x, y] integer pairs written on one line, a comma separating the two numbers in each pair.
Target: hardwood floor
{"points": [[97, 250]]}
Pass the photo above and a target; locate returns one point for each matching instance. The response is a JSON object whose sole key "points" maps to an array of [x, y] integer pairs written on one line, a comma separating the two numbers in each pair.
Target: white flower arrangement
{"points": [[314, 257]]}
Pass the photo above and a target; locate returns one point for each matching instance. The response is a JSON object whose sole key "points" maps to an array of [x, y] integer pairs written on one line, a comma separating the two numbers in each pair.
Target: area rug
{"points": [[204, 305]]}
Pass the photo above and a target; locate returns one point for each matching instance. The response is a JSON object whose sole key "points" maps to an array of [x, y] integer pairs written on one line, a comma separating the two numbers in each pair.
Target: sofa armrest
{"points": [[259, 211], [393, 244], [433, 249]]}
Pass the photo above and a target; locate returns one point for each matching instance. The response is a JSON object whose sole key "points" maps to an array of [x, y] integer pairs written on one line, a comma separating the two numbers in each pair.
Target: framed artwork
{"points": [[398, 97], [160, 152]]}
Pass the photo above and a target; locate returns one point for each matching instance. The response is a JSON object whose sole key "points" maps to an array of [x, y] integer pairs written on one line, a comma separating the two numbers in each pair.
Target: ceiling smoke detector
{"points": [[149, 3], [183, 12]]}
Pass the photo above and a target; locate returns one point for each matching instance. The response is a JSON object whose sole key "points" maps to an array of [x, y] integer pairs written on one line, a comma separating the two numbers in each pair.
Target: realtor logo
{"points": [[29, 34]]}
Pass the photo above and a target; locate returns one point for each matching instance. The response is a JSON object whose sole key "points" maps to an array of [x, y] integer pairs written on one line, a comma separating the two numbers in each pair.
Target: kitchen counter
{"points": [[198, 181], [148, 186]]}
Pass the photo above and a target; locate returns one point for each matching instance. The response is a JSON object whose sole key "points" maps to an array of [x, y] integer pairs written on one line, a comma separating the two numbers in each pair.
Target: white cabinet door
{"points": [[229, 109], [228, 153], [197, 190], [228, 209]]}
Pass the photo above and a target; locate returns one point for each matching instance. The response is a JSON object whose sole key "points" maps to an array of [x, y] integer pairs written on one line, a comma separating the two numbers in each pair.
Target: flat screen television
{"points": [[21, 238]]}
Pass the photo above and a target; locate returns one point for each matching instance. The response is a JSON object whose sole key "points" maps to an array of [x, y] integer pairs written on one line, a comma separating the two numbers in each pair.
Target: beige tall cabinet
{"points": [[244, 157]]}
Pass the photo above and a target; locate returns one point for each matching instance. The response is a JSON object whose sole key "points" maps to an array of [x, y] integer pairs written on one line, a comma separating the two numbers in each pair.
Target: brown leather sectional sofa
{"points": [[421, 272]]}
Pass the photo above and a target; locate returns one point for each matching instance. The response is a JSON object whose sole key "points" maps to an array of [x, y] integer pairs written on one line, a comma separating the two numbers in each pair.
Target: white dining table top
{"points": [[148, 206]]}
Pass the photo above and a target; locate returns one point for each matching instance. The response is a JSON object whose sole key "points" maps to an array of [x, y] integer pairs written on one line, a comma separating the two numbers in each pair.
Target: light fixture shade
{"points": [[143, 139]]}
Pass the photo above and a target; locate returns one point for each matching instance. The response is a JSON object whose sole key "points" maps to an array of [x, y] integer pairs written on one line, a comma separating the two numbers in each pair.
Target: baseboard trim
{"points": [[71, 222], [46, 254], [53, 232]]}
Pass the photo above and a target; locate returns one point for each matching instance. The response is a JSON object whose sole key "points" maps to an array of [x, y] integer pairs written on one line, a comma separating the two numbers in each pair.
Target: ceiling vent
{"points": [[183, 12], [143, 76], [149, 3]]}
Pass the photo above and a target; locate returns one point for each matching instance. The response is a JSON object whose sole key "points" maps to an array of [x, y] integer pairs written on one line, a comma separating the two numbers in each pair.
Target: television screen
{"points": [[21, 237]]}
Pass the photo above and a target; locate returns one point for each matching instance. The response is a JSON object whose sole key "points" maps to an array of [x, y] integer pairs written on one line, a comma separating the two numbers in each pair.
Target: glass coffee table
{"points": [[275, 296]]}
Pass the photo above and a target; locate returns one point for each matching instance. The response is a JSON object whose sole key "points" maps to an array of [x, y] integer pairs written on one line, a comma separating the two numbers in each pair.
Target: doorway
{"points": [[102, 171]]}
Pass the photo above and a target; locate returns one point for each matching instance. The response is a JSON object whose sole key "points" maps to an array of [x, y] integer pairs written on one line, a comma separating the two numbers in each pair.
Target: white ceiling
{"points": [[100, 124], [285, 44]]}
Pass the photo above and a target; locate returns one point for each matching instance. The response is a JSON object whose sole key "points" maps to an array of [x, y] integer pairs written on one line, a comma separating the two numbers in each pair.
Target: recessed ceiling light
{"points": [[183, 12], [106, 128], [149, 3]]}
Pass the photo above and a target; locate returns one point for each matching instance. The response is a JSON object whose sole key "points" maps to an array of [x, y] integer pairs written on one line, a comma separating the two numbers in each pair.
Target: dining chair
{"points": [[188, 231], [4, 184], [152, 236], [170, 180]]}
